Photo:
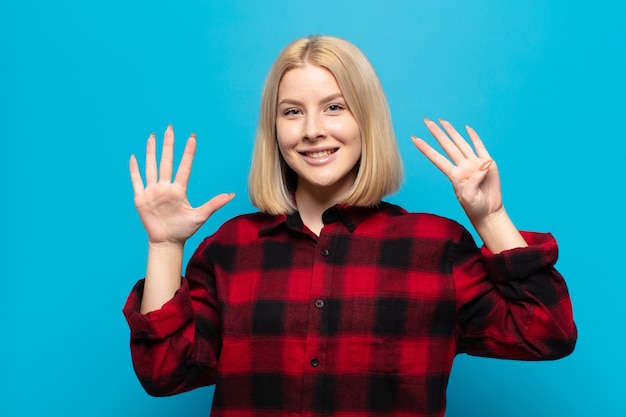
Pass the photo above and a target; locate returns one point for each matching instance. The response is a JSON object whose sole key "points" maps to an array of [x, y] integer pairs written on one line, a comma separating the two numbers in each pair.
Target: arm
{"points": [[476, 182], [167, 216], [511, 301], [175, 336], [512, 305], [176, 348]]}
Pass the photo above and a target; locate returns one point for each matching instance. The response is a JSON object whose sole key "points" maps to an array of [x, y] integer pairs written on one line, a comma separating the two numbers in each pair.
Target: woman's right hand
{"points": [[162, 204]]}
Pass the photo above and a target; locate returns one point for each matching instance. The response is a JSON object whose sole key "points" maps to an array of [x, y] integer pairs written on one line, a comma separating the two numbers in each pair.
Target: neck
{"points": [[312, 205]]}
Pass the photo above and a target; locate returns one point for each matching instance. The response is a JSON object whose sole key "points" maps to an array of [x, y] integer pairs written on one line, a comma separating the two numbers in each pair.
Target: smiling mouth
{"points": [[320, 154]]}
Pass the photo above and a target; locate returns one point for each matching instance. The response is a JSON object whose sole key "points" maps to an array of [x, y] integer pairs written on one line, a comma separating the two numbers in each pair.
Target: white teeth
{"points": [[319, 154]]}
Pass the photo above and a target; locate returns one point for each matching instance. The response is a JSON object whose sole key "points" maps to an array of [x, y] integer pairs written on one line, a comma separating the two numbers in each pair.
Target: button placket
{"points": [[320, 294]]}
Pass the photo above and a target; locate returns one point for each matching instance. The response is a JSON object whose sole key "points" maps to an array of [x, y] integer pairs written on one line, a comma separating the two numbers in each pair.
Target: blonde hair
{"points": [[272, 181]]}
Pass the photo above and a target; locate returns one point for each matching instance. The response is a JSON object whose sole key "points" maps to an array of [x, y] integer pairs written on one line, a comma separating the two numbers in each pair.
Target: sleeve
{"points": [[176, 348], [513, 305]]}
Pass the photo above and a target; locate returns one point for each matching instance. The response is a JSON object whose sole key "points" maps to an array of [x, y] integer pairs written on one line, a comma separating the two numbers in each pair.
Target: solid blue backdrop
{"points": [[82, 85]]}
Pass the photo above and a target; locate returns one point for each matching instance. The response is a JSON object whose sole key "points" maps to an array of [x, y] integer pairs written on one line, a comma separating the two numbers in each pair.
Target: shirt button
{"points": [[325, 252], [319, 303], [314, 362]]}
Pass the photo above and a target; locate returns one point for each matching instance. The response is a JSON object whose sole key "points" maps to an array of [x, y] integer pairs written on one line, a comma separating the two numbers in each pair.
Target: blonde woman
{"points": [[330, 301]]}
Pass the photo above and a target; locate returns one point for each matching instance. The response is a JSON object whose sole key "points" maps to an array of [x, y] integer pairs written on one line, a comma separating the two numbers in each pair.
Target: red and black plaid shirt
{"points": [[364, 320]]}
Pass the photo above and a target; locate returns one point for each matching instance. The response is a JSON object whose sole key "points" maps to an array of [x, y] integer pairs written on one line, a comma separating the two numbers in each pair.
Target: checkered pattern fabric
{"points": [[364, 320]]}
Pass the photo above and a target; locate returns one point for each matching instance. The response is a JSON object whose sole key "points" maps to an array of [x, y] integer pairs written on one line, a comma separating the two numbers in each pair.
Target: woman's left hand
{"points": [[473, 173]]}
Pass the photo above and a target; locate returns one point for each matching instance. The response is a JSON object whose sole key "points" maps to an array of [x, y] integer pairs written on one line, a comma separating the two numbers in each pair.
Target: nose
{"points": [[313, 128]]}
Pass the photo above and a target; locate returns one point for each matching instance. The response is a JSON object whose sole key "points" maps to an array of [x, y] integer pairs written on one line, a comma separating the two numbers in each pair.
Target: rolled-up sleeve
{"points": [[176, 348], [158, 324], [514, 304]]}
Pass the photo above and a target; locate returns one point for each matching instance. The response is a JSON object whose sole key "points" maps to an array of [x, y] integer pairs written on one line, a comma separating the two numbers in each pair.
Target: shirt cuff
{"points": [[161, 323], [519, 263]]}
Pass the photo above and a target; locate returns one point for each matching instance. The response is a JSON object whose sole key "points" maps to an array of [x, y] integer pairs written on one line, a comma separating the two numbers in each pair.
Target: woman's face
{"points": [[317, 134]]}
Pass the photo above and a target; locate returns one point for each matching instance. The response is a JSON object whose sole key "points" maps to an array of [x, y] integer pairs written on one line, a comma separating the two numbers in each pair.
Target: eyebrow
{"points": [[324, 100]]}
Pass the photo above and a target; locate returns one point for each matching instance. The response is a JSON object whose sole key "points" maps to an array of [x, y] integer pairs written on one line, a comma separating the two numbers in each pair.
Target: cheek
{"points": [[286, 135], [347, 129]]}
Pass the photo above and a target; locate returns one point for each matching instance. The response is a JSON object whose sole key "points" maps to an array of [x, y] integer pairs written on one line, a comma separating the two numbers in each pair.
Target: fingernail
{"points": [[485, 166], [193, 135], [426, 120], [231, 195], [442, 121]]}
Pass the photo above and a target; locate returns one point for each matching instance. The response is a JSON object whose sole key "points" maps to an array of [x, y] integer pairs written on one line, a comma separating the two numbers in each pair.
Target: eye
{"points": [[335, 107], [291, 112]]}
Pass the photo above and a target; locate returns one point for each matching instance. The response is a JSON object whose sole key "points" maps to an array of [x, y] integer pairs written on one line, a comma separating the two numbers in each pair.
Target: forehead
{"points": [[308, 80]]}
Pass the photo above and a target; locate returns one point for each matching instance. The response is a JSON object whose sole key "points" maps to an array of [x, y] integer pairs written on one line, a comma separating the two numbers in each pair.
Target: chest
{"points": [[339, 284]]}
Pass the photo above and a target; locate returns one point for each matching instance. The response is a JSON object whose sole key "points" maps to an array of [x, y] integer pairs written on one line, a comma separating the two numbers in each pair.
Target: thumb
{"points": [[207, 209]]}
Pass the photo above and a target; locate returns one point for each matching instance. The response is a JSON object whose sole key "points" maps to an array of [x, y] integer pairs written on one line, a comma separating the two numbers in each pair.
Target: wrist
{"points": [[492, 220], [498, 232], [165, 246]]}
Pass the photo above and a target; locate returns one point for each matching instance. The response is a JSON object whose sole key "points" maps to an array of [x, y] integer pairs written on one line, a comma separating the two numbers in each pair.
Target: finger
{"points": [[207, 209], [481, 151], [184, 169], [167, 155], [458, 140], [135, 176], [435, 157], [151, 168], [450, 148]]}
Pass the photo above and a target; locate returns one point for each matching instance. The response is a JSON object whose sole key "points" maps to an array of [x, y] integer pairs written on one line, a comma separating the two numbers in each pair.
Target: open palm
{"points": [[162, 204], [472, 172]]}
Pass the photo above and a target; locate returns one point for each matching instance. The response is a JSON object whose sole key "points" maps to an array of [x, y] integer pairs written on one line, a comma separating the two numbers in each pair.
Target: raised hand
{"points": [[162, 204], [473, 173], [476, 182]]}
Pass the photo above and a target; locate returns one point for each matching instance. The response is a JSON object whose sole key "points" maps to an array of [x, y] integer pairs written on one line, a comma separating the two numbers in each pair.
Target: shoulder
{"points": [[246, 226], [256, 220], [233, 235], [425, 224]]}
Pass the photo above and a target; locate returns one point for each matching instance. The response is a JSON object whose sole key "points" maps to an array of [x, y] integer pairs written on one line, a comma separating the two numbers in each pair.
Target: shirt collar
{"points": [[350, 216]]}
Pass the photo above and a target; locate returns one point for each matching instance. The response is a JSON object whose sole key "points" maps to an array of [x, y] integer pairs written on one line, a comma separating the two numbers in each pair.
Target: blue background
{"points": [[82, 84]]}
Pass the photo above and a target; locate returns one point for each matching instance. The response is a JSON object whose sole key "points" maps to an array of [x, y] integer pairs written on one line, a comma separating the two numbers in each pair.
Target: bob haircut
{"points": [[272, 182]]}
